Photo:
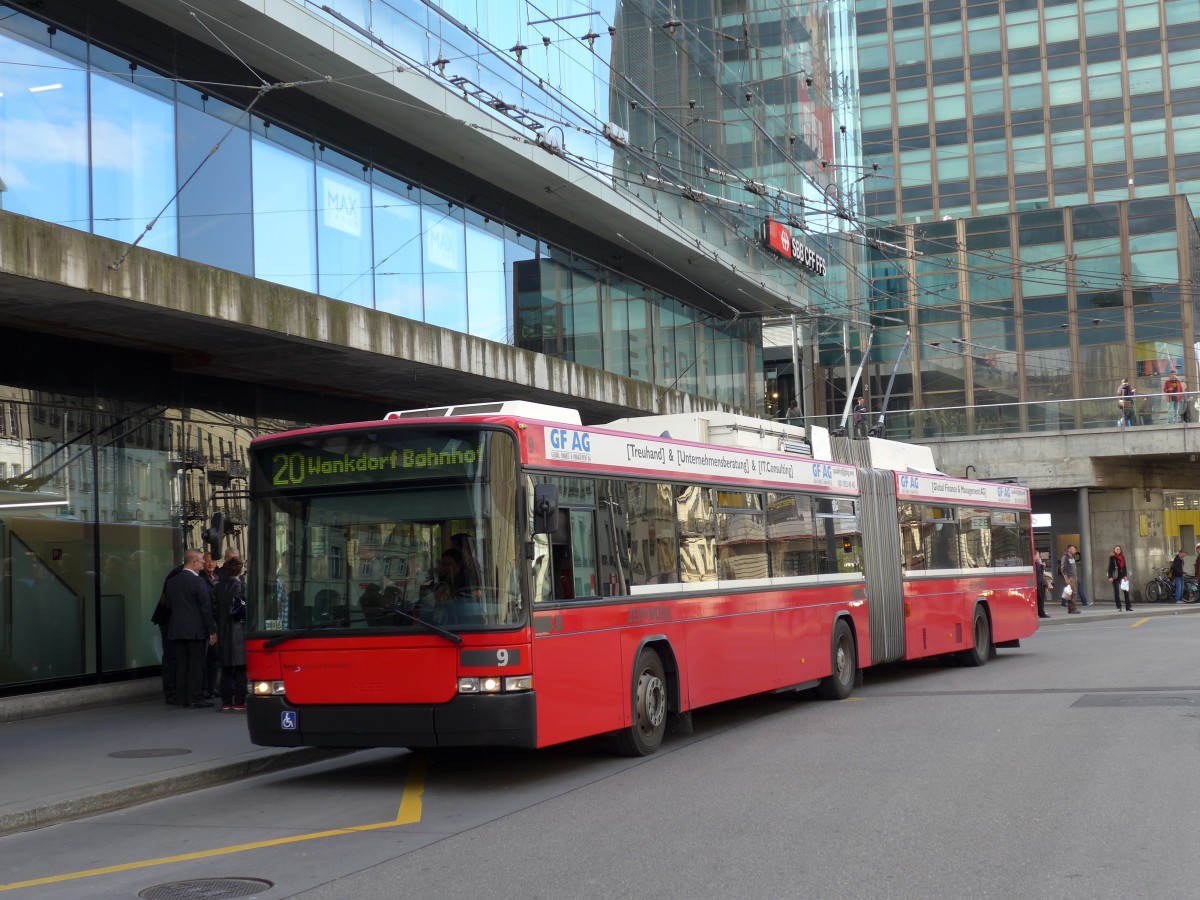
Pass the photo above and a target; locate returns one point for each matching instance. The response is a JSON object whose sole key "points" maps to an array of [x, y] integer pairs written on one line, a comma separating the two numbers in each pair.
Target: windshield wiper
{"points": [[429, 626]]}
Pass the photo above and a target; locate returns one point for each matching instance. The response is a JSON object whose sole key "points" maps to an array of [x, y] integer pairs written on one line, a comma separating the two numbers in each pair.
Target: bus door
{"points": [[573, 545]]}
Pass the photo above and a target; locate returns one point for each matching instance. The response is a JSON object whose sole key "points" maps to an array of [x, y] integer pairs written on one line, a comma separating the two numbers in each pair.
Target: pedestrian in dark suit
{"points": [[162, 618], [192, 629]]}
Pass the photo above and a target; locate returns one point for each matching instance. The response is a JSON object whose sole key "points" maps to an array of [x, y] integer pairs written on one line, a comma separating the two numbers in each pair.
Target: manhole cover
{"points": [[148, 753], [207, 889]]}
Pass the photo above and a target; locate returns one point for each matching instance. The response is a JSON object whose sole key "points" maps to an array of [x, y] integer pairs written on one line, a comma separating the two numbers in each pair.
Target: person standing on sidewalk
{"points": [[231, 637], [1118, 574], [1080, 597], [1039, 574], [212, 666], [162, 618], [191, 629], [1069, 570], [1177, 575]]}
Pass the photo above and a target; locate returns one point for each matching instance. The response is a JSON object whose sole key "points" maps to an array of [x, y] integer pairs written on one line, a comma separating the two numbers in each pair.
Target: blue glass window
{"points": [[215, 226], [397, 220], [43, 135], [445, 259], [488, 307], [344, 236], [133, 164], [285, 238]]}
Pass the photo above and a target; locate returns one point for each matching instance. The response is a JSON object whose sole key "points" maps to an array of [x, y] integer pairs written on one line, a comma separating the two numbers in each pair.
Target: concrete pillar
{"points": [[1083, 514]]}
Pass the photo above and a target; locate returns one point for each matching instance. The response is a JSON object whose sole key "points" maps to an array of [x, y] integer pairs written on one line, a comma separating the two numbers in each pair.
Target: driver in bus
{"points": [[469, 572], [437, 604]]}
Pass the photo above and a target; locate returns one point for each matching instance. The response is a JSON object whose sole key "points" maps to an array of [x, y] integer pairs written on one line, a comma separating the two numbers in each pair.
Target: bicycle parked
{"points": [[1161, 588]]}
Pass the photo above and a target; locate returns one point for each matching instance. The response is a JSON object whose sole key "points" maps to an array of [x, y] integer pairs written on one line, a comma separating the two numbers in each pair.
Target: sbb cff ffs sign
{"points": [[779, 238]]}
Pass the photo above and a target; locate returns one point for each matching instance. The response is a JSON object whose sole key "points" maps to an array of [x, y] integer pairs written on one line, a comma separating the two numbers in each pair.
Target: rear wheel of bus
{"points": [[981, 629], [843, 665], [649, 725]]}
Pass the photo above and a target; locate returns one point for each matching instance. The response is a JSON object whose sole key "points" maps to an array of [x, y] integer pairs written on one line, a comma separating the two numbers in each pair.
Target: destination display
{"points": [[600, 451], [934, 488], [381, 456]]}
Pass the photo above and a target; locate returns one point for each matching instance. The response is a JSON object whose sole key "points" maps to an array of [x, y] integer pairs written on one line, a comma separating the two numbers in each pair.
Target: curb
{"points": [[1168, 609], [168, 786], [52, 703]]}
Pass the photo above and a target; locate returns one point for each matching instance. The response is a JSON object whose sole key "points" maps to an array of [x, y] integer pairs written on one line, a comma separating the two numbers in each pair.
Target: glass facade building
{"points": [[1037, 176], [707, 118]]}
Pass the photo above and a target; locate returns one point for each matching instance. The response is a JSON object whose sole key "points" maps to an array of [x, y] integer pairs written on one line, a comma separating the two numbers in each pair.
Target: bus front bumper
{"points": [[475, 720]]}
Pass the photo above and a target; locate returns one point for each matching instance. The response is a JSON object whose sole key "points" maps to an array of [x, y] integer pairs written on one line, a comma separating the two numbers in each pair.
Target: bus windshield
{"points": [[394, 528]]}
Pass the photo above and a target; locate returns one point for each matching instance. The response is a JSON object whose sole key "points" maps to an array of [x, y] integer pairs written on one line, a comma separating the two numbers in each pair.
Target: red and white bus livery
{"points": [[500, 574]]}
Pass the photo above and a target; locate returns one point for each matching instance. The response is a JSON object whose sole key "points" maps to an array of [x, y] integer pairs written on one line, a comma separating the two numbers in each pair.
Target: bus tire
{"points": [[843, 665], [981, 630], [649, 707]]}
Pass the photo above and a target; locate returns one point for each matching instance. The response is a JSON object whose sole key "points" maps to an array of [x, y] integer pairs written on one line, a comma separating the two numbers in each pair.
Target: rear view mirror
{"points": [[545, 508]]}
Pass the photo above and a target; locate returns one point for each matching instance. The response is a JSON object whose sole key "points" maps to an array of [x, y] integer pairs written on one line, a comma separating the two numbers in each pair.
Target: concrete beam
{"points": [[214, 322]]}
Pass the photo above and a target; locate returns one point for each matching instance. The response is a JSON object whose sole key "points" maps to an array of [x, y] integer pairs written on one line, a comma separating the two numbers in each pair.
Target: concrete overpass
{"points": [[1149, 457], [212, 323]]}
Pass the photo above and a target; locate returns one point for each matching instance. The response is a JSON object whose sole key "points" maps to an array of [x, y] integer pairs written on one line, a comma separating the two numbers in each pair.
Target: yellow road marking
{"points": [[408, 814], [1140, 622]]}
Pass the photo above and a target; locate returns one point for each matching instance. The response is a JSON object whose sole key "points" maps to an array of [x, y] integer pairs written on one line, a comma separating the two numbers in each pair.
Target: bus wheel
{"points": [[844, 668], [978, 655], [645, 735]]}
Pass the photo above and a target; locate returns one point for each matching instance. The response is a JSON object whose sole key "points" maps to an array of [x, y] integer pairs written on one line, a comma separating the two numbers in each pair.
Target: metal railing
{"points": [[1033, 417]]}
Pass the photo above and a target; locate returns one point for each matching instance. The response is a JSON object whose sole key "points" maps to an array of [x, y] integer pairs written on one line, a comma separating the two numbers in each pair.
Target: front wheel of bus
{"points": [[844, 666], [645, 735], [982, 631]]}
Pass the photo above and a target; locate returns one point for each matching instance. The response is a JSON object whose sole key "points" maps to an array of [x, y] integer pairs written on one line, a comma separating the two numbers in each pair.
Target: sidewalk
{"points": [[69, 754], [114, 746], [1101, 610]]}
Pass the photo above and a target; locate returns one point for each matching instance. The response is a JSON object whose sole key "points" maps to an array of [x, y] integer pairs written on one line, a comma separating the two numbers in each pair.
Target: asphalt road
{"points": [[1064, 769]]}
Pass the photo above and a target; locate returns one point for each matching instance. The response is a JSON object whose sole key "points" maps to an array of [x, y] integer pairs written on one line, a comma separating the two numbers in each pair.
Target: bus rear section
{"points": [[967, 557]]}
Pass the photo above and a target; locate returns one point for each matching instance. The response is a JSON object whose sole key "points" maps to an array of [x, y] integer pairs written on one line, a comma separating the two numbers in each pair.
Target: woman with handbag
{"points": [[1118, 574]]}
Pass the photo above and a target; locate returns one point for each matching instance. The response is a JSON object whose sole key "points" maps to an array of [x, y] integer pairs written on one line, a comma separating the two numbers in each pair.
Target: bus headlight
{"points": [[269, 688], [494, 684]]}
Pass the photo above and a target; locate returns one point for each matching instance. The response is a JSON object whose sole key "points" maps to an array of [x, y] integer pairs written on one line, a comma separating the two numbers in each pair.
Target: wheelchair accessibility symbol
{"points": [[288, 721]]}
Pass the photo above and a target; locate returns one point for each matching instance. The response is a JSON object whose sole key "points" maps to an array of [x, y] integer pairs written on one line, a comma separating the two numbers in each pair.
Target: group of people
{"points": [[1173, 389], [1178, 579], [201, 616], [1072, 594], [1118, 576]]}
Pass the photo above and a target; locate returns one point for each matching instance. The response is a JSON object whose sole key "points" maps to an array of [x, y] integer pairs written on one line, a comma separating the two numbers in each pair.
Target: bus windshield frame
{"points": [[391, 528]]}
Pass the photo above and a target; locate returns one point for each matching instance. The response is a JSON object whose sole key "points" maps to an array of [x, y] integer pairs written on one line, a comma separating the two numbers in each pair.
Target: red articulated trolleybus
{"points": [[499, 574]]}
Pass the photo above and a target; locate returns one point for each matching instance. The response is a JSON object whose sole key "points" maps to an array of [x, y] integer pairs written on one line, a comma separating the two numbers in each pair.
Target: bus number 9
{"points": [[502, 657], [289, 469]]}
